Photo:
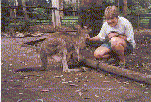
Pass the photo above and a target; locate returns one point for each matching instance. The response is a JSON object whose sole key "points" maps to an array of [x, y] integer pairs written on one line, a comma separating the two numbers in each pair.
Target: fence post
{"points": [[53, 18], [138, 21], [149, 24]]}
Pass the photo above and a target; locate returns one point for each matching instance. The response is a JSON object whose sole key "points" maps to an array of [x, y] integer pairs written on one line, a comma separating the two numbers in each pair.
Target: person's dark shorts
{"points": [[128, 50]]}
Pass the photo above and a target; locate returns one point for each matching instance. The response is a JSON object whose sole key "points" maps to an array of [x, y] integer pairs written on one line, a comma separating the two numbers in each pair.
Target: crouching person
{"points": [[117, 36]]}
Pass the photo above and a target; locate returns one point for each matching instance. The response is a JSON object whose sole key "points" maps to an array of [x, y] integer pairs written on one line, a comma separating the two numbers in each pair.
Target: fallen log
{"points": [[137, 76]]}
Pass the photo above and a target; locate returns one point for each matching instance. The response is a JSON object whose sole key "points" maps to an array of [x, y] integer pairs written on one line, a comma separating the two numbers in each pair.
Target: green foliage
{"points": [[139, 6], [137, 9], [40, 13]]}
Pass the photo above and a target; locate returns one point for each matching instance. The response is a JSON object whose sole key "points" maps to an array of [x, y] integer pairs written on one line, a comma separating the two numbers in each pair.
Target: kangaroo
{"points": [[64, 44]]}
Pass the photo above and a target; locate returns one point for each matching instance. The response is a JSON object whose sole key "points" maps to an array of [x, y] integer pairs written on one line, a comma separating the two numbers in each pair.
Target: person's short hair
{"points": [[111, 11]]}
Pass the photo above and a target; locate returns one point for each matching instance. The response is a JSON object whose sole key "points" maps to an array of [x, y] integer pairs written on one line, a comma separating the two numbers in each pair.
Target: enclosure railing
{"points": [[25, 17], [68, 19], [145, 16], [53, 9]]}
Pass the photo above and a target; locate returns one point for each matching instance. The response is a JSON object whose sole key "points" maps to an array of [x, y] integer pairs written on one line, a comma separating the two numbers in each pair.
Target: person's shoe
{"points": [[111, 61], [114, 62], [121, 65]]}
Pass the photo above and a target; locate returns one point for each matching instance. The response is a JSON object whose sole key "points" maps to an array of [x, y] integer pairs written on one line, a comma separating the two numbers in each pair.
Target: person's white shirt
{"points": [[123, 27]]}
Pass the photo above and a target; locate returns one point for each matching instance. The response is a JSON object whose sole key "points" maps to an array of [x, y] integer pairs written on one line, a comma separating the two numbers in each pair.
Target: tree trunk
{"points": [[55, 14], [74, 6], [24, 9], [125, 7], [15, 12], [137, 76], [61, 8], [16, 4]]}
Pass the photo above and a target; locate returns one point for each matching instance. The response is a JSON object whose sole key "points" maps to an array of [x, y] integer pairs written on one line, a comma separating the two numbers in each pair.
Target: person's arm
{"points": [[100, 36], [123, 37], [96, 38], [129, 32]]}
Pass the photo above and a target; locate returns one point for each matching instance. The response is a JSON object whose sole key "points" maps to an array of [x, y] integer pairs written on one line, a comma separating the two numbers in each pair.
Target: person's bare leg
{"points": [[119, 49], [118, 45], [102, 53], [43, 57], [77, 51], [64, 61]]}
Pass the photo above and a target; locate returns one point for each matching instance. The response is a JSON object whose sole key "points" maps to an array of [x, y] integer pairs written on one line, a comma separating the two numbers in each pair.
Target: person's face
{"points": [[112, 21]]}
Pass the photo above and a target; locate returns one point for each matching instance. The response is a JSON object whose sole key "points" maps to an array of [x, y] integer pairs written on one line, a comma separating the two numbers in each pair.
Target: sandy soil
{"points": [[54, 85]]}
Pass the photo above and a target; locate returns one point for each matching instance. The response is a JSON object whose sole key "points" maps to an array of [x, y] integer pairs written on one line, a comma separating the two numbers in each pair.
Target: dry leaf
{"points": [[80, 93], [73, 85], [44, 90]]}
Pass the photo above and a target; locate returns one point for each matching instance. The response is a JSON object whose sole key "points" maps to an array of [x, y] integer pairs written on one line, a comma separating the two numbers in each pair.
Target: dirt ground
{"points": [[54, 85]]}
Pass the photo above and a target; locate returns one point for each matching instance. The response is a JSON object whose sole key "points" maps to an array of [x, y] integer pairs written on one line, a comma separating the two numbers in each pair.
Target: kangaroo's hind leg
{"points": [[43, 56], [77, 51], [64, 61]]}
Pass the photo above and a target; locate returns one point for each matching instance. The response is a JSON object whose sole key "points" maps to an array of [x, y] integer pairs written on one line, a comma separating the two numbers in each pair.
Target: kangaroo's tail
{"points": [[34, 44]]}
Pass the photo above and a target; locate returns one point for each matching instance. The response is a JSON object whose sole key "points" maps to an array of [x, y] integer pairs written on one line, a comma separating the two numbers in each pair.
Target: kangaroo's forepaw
{"points": [[42, 68], [66, 70]]}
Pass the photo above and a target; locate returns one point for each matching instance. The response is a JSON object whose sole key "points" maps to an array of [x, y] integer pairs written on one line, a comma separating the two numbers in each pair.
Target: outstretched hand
{"points": [[112, 35], [117, 35]]}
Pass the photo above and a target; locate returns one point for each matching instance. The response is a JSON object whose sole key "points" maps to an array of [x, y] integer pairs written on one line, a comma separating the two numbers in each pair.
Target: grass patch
{"points": [[73, 20], [144, 21]]}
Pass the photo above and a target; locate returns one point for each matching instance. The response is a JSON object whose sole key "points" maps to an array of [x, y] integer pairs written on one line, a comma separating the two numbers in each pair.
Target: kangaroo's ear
{"points": [[79, 31]]}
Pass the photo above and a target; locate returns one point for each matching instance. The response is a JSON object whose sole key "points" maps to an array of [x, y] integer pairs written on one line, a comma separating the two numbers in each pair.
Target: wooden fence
{"points": [[15, 19], [146, 17]]}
